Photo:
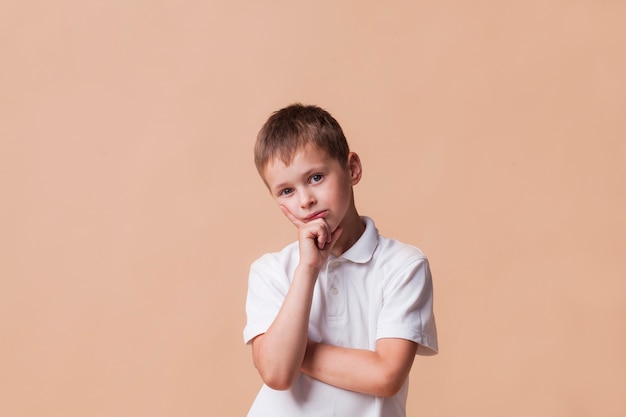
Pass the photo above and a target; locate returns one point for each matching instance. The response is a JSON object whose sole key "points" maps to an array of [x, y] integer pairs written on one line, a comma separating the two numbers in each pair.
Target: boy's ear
{"points": [[354, 165]]}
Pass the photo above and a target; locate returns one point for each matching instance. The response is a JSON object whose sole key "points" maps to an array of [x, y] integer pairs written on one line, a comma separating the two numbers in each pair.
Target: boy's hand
{"points": [[315, 238]]}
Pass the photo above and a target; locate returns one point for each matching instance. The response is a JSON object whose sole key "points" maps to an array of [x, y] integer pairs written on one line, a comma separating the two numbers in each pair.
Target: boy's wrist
{"points": [[308, 270]]}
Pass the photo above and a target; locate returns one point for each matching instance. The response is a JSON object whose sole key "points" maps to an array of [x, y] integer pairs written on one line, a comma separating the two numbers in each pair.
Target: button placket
{"points": [[335, 296]]}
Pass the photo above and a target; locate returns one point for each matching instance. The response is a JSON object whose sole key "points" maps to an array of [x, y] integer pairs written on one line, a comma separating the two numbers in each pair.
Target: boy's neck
{"points": [[353, 228]]}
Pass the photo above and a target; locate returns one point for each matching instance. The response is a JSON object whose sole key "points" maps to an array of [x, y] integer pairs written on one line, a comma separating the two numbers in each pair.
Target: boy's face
{"points": [[314, 185]]}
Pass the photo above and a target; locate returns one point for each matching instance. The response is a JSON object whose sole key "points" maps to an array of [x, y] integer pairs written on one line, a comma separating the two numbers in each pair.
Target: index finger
{"points": [[293, 219]]}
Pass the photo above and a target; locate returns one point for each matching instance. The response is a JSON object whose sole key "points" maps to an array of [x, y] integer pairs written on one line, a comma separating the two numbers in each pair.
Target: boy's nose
{"points": [[306, 200]]}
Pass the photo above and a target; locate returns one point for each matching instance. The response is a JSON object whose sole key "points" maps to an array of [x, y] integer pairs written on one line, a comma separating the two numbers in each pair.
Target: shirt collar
{"points": [[363, 249]]}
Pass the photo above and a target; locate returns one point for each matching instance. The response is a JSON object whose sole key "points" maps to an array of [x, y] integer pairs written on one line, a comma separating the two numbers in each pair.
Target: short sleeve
{"points": [[267, 287], [407, 310]]}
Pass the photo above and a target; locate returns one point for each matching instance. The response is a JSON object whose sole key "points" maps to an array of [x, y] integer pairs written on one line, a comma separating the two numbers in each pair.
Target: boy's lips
{"points": [[316, 215]]}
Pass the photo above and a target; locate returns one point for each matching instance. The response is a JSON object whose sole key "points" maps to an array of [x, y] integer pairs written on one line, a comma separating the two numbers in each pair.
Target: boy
{"points": [[336, 318]]}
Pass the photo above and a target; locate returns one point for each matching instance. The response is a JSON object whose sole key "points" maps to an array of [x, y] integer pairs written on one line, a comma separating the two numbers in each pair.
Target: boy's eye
{"points": [[316, 178], [286, 191]]}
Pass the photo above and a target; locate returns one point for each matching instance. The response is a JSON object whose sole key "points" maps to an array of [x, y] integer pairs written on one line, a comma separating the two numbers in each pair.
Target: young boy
{"points": [[336, 318]]}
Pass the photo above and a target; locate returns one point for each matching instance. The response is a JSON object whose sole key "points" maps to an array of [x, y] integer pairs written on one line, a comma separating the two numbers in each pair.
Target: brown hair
{"points": [[295, 126]]}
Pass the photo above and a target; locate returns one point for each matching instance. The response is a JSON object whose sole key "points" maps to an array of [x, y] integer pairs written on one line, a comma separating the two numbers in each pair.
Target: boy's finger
{"points": [[334, 237], [322, 235], [327, 240], [291, 217]]}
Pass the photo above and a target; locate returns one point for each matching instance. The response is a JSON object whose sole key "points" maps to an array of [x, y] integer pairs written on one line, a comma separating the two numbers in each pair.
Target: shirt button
{"points": [[334, 291]]}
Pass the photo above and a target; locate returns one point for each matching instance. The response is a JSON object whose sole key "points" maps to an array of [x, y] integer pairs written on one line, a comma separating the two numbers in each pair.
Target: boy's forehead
{"points": [[302, 154]]}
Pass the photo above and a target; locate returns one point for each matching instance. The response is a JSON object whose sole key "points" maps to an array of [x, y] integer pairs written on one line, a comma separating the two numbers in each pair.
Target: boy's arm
{"points": [[278, 353], [381, 372]]}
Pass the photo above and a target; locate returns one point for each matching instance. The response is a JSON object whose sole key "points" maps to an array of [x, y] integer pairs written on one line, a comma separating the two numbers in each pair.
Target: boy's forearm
{"points": [[381, 373], [278, 353]]}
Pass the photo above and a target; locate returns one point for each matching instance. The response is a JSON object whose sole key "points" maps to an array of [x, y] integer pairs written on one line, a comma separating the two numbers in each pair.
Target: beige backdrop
{"points": [[492, 136]]}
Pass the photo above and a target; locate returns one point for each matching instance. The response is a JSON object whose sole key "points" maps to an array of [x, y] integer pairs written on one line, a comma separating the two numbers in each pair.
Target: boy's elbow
{"points": [[278, 381], [278, 385], [391, 385], [389, 391], [278, 378], [276, 375]]}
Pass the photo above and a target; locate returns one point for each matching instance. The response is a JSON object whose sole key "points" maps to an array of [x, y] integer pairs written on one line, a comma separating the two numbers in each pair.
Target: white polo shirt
{"points": [[379, 288]]}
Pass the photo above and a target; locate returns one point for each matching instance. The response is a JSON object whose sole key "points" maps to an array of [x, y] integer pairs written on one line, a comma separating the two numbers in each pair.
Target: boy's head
{"points": [[293, 128], [304, 160]]}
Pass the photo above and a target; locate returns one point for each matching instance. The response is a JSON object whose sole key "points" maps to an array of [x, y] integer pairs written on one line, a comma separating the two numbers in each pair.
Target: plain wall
{"points": [[492, 136]]}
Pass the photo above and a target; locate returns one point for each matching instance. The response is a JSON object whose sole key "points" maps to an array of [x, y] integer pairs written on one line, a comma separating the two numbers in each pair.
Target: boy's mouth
{"points": [[316, 215]]}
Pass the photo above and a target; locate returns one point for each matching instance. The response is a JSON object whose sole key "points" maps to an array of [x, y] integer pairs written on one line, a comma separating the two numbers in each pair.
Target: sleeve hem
{"points": [[427, 346]]}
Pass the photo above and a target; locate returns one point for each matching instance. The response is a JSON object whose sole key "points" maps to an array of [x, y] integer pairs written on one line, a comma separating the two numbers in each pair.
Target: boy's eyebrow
{"points": [[314, 170], [278, 187], [305, 174]]}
